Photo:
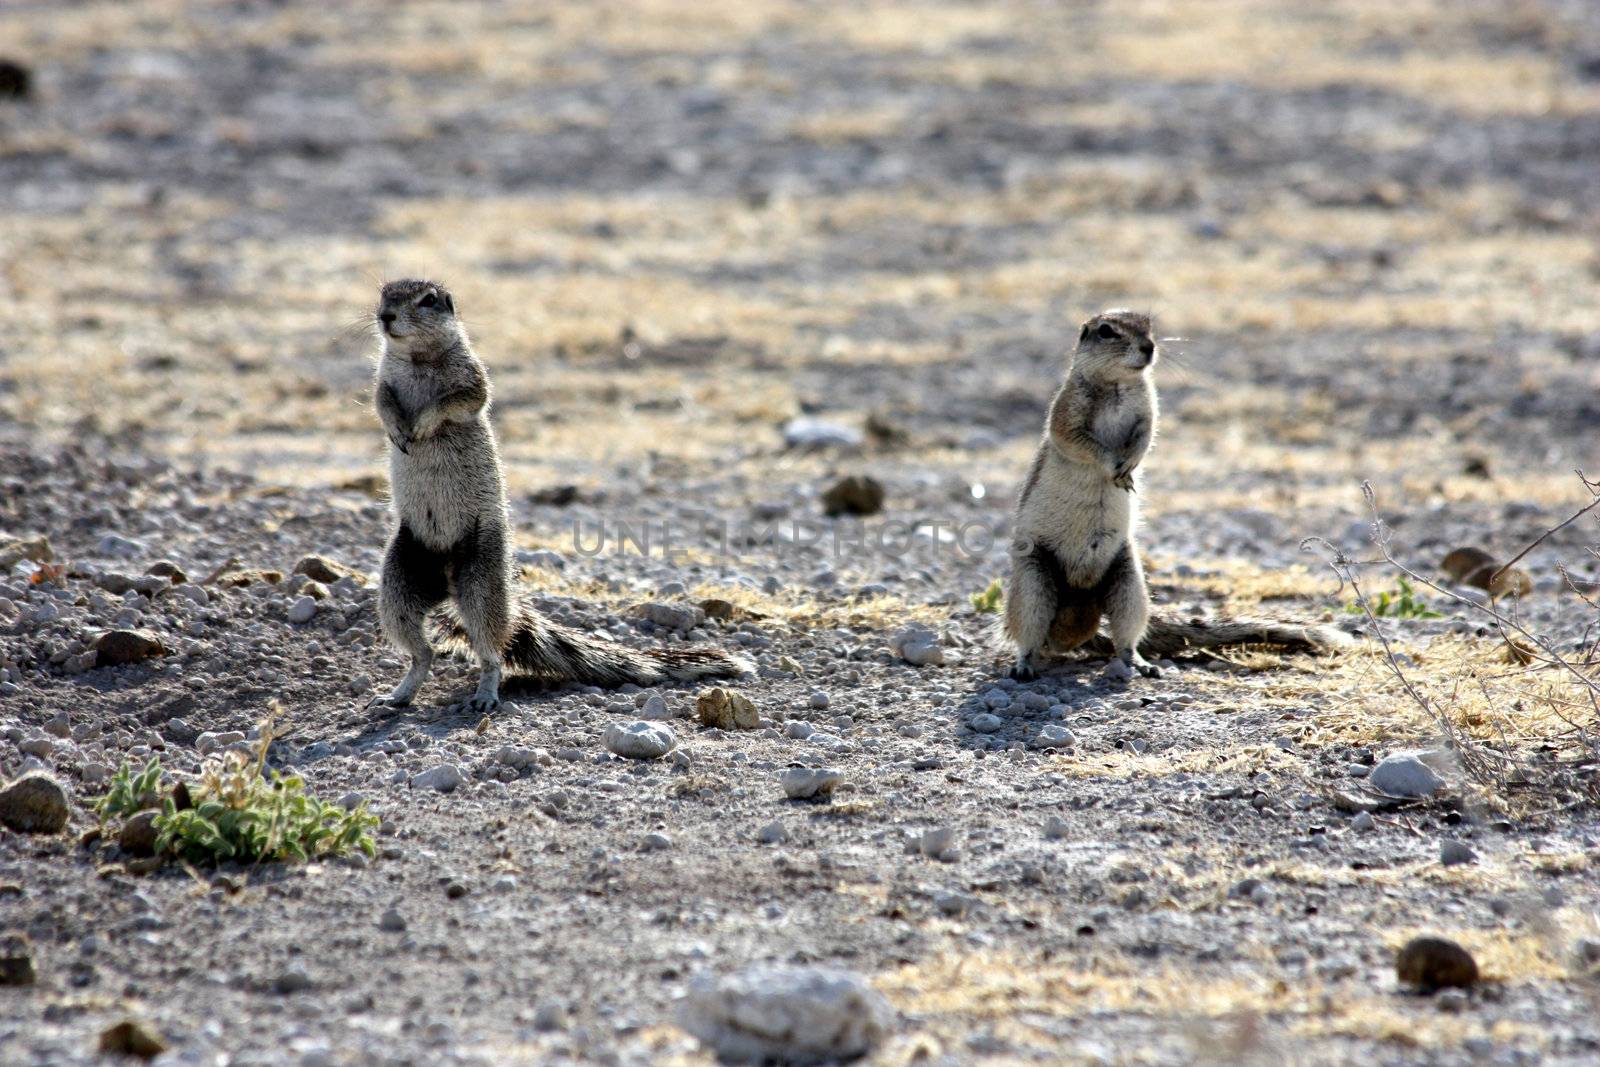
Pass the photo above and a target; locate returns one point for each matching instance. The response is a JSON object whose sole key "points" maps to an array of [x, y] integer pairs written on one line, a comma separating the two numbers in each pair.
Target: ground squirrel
{"points": [[1073, 556], [452, 535]]}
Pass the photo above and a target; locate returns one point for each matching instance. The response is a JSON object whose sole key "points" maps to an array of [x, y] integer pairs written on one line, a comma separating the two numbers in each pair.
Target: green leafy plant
{"points": [[233, 813], [1403, 604], [239, 815], [131, 791], [988, 601]]}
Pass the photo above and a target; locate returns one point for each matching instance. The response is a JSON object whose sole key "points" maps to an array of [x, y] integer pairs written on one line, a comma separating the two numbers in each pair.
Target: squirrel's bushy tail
{"points": [[545, 649], [1167, 637]]}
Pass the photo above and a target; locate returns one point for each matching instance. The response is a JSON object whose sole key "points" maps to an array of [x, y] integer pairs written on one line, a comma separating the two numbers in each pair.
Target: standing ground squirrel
{"points": [[452, 534], [1073, 556]]}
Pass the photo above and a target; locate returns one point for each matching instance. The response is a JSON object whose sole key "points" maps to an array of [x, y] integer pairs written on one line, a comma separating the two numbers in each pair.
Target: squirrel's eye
{"points": [[1107, 332], [428, 301]]}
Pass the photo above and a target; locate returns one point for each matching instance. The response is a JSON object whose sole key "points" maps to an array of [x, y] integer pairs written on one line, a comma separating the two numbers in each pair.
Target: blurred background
{"points": [[674, 227]]}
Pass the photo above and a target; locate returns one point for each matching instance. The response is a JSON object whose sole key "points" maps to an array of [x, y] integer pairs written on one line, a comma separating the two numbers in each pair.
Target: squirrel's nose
{"points": [[386, 317], [1147, 347]]}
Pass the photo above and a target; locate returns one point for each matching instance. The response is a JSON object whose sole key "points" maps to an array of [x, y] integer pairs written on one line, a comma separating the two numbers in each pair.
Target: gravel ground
{"points": [[714, 263]]}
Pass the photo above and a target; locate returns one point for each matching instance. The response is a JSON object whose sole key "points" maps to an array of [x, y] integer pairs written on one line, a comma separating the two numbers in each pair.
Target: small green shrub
{"points": [[988, 601], [1403, 604], [233, 813], [238, 815], [131, 793]]}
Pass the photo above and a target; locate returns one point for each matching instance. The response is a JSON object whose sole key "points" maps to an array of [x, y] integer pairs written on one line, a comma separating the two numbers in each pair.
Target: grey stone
{"points": [[1453, 853], [34, 804], [215, 740], [302, 610], [803, 783], [673, 616], [655, 708], [1403, 774], [812, 433], [1053, 736], [797, 1015], [986, 723], [639, 739], [444, 778]]}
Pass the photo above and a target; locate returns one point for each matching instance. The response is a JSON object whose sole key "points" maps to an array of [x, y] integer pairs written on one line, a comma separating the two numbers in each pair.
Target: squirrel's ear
{"points": [[449, 304], [1083, 334]]}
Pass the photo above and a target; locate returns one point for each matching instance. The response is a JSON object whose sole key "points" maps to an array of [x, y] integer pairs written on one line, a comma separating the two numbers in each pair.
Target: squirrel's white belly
{"points": [[1077, 513], [447, 484]]}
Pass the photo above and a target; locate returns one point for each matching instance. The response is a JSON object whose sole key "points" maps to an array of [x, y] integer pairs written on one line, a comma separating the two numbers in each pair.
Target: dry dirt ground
{"points": [[1369, 228]]}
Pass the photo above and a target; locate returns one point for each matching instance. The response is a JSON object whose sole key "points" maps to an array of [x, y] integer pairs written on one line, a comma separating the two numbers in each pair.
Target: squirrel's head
{"points": [[1115, 345], [417, 319]]}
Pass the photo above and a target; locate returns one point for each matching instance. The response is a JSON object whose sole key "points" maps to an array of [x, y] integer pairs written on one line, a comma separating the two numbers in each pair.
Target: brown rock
{"points": [[715, 608], [727, 709], [34, 804], [16, 80], [321, 569], [1464, 561], [855, 494], [118, 647], [132, 1038], [250, 576], [373, 485], [14, 550], [16, 960], [138, 836], [165, 568], [1475, 567], [1431, 963]]}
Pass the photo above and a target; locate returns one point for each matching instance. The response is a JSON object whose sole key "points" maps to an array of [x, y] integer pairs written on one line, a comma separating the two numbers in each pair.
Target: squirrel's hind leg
{"points": [[482, 589], [1128, 611], [412, 584], [1030, 609]]}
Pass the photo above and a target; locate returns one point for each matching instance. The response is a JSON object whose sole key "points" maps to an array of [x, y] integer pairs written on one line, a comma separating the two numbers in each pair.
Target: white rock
{"points": [[674, 616], [1055, 827], [774, 833], [798, 1015], [819, 433], [516, 757], [1403, 774], [918, 646], [215, 740], [302, 610], [192, 592], [937, 842], [444, 778], [1054, 736], [655, 708], [798, 729], [113, 545], [986, 723], [640, 739], [801, 783], [1363, 821]]}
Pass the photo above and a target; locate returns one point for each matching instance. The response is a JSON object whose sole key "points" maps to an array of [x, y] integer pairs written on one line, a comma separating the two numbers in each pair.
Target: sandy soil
{"points": [[1370, 232]]}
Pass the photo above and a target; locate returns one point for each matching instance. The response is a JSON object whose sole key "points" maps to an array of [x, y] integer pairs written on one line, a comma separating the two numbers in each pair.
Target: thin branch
{"points": [[1580, 513]]}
